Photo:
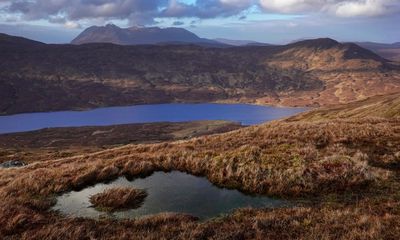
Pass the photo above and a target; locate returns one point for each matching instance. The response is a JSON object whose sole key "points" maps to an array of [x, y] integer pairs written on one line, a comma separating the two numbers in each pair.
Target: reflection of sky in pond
{"points": [[167, 192]]}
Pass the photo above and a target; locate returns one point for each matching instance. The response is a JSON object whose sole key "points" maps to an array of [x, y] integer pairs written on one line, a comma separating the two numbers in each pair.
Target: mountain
{"points": [[7, 41], [349, 72], [374, 45], [137, 35], [48, 77], [389, 51], [240, 42]]}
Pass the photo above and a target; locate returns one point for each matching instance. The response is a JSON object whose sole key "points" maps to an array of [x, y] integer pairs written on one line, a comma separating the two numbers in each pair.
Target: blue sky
{"points": [[273, 21]]}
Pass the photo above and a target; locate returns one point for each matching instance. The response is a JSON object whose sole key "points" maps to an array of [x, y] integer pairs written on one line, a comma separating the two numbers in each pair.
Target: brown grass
{"points": [[118, 199], [387, 106], [367, 219], [56, 143], [350, 165]]}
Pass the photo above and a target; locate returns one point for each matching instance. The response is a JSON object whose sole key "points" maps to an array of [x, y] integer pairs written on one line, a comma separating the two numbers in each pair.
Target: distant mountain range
{"points": [[374, 45], [240, 42], [47, 77], [153, 35], [164, 36], [389, 51]]}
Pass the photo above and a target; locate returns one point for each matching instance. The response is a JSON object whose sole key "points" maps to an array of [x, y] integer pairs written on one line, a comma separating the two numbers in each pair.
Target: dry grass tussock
{"points": [[282, 158], [118, 199]]}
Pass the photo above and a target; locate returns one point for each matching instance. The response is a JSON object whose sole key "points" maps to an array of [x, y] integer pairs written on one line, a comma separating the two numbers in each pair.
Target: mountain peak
{"points": [[137, 35], [111, 25], [322, 43]]}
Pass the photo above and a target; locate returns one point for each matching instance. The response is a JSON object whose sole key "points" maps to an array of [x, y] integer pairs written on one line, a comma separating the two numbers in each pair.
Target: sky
{"points": [[270, 21]]}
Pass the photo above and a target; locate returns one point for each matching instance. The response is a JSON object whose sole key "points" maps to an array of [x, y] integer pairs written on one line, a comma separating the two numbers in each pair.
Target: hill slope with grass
{"points": [[344, 170], [387, 106], [53, 143], [42, 77]]}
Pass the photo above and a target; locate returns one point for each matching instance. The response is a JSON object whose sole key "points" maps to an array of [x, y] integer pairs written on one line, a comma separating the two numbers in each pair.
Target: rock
{"points": [[13, 163]]}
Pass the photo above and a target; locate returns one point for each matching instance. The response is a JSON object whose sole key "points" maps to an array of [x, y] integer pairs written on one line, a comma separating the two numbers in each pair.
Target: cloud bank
{"points": [[142, 12], [339, 8]]}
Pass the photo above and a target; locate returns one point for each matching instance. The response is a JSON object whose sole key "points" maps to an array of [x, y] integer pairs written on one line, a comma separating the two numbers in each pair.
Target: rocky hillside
{"points": [[40, 77], [137, 35], [349, 72]]}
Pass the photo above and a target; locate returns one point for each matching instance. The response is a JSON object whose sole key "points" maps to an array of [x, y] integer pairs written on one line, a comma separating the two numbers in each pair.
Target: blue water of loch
{"points": [[243, 113]]}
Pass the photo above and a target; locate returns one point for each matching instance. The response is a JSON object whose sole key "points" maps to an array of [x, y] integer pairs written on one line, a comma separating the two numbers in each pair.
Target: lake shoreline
{"points": [[46, 144], [243, 113], [222, 102]]}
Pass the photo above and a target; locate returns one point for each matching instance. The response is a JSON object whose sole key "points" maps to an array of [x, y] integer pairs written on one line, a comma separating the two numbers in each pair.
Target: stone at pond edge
{"points": [[11, 164]]}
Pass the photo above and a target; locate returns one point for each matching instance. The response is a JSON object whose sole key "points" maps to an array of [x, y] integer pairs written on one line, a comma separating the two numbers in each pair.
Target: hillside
{"points": [[349, 72], [232, 42], [137, 35], [387, 106], [345, 172], [307, 73], [53, 143]]}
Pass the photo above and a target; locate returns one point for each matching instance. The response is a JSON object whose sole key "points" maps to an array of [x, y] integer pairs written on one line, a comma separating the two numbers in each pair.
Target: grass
{"points": [[115, 199], [387, 106], [56, 143], [345, 169]]}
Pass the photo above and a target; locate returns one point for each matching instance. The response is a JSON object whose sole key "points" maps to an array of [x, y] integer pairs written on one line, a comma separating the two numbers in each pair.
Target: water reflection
{"points": [[167, 192]]}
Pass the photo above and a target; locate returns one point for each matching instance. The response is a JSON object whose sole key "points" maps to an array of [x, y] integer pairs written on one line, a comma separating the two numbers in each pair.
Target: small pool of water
{"points": [[167, 192]]}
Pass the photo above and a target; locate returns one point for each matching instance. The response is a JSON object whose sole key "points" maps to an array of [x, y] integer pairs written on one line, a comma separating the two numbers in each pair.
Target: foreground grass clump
{"points": [[115, 199]]}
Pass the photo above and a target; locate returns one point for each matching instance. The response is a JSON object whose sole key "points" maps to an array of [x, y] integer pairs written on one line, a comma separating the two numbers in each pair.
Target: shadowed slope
{"points": [[388, 51]]}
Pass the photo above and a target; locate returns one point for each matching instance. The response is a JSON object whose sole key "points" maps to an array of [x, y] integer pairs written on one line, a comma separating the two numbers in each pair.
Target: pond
{"points": [[175, 192], [243, 113]]}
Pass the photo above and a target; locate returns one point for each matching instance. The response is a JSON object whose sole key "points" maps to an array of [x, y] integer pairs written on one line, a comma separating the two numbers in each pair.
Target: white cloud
{"points": [[363, 8], [340, 8], [71, 25], [291, 6]]}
